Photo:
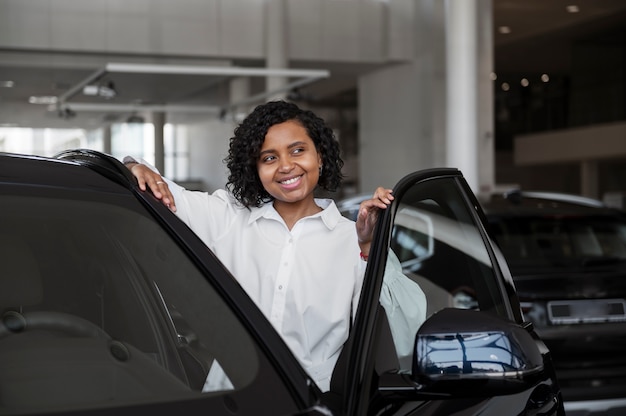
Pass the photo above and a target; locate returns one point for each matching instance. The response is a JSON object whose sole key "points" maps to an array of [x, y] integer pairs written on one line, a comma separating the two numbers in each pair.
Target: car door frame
{"points": [[362, 352]]}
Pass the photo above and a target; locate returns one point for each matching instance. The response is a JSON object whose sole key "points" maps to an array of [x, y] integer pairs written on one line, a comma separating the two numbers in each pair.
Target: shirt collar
{"points": [[329, 215]]}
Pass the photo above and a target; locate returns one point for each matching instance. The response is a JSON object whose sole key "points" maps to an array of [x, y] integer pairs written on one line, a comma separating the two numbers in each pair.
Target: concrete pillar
{"points": [[39, 142], [486, 128], [239, 89], [589, 179], [158, 120], [437, 110], [276, 38], [461, 91], [106, 139]]}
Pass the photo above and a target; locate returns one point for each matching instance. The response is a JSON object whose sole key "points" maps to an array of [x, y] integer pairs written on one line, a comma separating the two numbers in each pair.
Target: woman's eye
{"points": [[268, 158]]}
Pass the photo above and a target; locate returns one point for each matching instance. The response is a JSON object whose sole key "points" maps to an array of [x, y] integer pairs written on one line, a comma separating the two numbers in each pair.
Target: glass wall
{"points": [[135, 139]]}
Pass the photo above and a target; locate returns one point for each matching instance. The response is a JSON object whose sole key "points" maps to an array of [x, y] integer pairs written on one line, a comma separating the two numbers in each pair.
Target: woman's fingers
{"points": [[146, 178], [369, 211], [384, 195], [161, 191], [381, 199]]}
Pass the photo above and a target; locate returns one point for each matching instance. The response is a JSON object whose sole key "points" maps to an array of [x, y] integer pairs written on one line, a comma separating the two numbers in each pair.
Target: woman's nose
{"points": [[286, 165]]}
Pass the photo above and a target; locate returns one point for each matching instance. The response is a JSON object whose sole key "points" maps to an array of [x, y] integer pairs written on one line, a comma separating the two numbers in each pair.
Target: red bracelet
{"points": [[364, 257]]}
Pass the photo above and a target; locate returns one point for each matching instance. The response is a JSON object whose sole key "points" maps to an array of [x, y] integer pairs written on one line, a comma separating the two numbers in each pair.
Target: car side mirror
{"points": [[476, 349], [468, 353]]}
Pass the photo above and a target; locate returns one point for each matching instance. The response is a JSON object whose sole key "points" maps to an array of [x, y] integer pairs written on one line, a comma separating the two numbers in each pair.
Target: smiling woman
{"points": [[295, 245], [261, 130]]}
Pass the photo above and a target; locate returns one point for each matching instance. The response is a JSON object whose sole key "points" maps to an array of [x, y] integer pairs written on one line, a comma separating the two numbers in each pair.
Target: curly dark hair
{"points": [[245, 147]]}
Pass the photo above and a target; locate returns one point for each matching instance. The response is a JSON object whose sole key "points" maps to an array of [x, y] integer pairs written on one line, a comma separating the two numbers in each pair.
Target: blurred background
{"points": [[527, 93]]}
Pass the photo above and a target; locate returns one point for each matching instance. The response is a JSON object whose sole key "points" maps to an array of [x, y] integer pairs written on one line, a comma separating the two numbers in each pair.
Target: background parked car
{"points": [[109, 304], [567, 255]]}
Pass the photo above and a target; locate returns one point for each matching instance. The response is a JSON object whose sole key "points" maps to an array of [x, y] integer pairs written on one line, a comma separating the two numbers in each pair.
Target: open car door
{"points": [[439, 327]]}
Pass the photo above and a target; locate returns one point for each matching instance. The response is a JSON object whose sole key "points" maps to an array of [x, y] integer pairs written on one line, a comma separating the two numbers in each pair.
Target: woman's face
{"points": [[289, 163]]}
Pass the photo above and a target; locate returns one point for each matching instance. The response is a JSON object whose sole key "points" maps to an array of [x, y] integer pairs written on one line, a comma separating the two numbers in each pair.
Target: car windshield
{"points": [[101, 307], [536, 241]]}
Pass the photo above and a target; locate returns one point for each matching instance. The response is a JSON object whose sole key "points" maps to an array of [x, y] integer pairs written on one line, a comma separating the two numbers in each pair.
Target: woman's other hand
{"points": [[368, 216]]}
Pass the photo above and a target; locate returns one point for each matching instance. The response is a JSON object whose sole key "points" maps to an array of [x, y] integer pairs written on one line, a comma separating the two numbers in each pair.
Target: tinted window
{"points": [[100, 307], [559, 240]]}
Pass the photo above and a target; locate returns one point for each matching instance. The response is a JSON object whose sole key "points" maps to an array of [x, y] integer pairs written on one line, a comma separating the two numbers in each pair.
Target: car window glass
{"points": [[559, 240], [100, 307], [440, 249]]}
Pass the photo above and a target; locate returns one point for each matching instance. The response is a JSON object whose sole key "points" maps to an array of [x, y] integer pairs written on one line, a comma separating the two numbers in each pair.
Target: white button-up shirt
{"points": [[305, 280]]}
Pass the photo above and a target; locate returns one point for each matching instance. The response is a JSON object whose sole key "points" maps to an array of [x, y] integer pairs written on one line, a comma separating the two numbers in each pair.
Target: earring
{"points": [[321, 169]]}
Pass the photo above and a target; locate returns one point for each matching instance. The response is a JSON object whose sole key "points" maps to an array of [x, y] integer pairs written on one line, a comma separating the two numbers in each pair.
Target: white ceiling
{"points": [[541, 40]]}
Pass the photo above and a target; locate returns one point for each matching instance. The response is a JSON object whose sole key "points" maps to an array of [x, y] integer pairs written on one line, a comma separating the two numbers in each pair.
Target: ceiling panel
{"points": [[541, 38]]}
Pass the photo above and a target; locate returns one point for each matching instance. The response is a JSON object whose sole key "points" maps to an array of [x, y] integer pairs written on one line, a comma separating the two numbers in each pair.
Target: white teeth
{"points": [[290, 181]]}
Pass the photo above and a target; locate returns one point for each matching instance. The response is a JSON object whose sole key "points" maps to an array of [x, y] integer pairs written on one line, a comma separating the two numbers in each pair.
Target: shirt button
{"points": [[280, 287]]}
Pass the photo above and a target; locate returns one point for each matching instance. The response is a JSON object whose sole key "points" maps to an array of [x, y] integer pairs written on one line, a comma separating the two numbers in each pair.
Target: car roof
{"points": [[528, 203], [80, 169]]}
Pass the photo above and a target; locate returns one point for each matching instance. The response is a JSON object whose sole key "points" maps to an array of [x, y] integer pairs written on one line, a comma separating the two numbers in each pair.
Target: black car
{"points": [[567, 255], [109, 304]]}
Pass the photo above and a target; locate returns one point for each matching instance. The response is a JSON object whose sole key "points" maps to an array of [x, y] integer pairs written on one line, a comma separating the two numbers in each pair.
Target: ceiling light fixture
{"points": [[107, 90], [572, 8], [505, 30], [300, 77], [66, 113], [42, 99], [7, 84]]}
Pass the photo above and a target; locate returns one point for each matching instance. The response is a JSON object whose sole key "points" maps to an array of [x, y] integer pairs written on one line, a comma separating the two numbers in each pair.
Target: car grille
{"points": [[567, 312]]}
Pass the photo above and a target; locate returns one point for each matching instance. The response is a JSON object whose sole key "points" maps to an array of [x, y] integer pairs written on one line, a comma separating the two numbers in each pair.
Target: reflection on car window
{"points": [[100, 307], [440, 248]]}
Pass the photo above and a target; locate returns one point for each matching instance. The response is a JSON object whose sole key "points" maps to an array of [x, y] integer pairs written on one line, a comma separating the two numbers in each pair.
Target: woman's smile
{"points": [[291, 182]]}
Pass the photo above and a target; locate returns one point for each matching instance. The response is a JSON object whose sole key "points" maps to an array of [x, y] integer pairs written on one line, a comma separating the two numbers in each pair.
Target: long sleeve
{"points": [[405, 306]]}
